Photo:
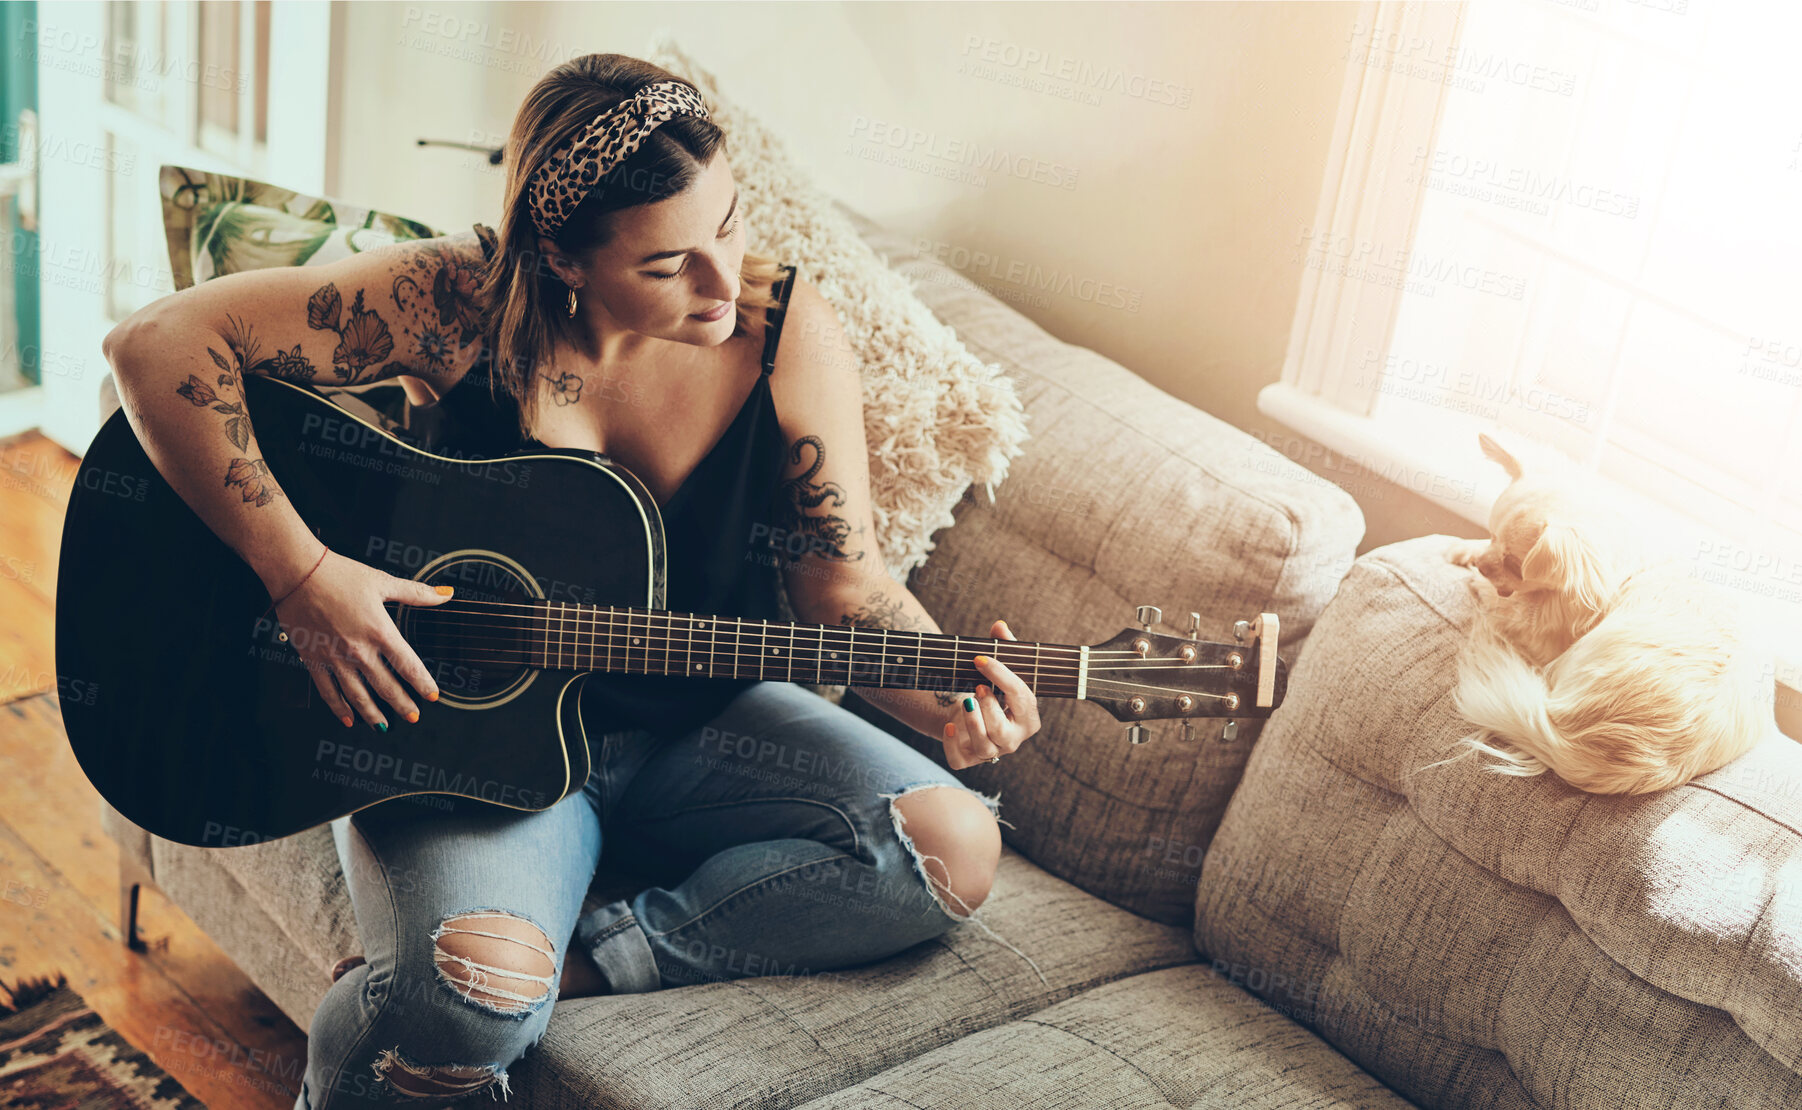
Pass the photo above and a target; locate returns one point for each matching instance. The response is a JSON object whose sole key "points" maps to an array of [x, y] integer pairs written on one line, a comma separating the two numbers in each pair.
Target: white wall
{"points": [[1191, 183]]}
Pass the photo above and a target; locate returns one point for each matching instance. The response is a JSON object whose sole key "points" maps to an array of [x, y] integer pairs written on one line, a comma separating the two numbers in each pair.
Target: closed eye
{"points": [[1511, 565], [678, 271]]}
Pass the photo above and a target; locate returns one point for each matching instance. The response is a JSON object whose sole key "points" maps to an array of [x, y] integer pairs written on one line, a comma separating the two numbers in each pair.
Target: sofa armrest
{"points": [[1473, 938], [1125, 495]]}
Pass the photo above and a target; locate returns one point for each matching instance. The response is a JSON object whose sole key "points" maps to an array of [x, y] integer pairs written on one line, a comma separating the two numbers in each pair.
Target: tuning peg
{"points": [[1137, 734], [1156, 616], [1241, 629], [1194, 626], [1231, 731], [1188, 733]]}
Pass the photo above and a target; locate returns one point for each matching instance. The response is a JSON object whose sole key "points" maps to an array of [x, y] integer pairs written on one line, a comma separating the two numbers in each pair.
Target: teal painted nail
{"points": [[969, 705], [382, 725]]}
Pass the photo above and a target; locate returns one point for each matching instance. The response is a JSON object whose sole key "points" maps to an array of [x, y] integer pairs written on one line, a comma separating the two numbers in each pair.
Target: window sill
{"points": [[1437, 459]]}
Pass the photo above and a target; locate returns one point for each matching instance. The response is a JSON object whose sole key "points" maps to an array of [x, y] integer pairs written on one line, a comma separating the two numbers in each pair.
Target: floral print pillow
{"points": [[222, 225]]}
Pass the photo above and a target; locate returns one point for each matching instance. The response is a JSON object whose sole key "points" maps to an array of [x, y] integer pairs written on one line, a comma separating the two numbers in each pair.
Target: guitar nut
{"points": [[1141, 645], [1184, 702], [1235, 660], [1232, 701], [1186, 653], [1137, 704]]}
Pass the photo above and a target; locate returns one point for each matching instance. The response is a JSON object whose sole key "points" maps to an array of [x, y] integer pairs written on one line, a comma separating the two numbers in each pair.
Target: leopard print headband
{"points": [[576, 167]]}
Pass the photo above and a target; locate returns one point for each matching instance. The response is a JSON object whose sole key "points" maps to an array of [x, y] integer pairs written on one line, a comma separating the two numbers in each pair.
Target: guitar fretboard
{"points": [[624, 640]]}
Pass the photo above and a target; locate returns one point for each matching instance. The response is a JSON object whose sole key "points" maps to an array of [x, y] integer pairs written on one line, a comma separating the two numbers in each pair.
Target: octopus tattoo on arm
{"points": [[808, 507]]}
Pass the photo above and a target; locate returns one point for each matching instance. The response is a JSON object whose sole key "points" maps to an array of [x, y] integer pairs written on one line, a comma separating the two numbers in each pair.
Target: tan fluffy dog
{"points": [[1620, 672]]}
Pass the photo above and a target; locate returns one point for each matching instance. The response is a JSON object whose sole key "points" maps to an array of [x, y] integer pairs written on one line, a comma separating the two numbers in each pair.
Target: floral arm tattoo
{"points": [[881, 611], [435, 293], [251, 476], [434, 287]]}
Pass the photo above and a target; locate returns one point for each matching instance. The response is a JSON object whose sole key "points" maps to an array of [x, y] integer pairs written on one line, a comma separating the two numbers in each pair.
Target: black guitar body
{"points": [[199, 723]]}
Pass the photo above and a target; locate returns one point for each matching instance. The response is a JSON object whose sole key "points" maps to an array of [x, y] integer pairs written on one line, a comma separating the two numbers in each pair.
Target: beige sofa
{"points": [[1316, 927]]}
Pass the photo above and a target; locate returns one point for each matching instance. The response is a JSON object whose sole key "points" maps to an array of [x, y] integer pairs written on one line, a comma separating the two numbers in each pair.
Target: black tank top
{"points": [[714, 566]]}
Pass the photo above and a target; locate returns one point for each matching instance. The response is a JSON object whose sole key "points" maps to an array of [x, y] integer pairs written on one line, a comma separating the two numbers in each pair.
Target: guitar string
{"points": [[935, 656], [1122, 685], [571, 626], [740, 647], [591, 620], [581, 618], [933, 660]]}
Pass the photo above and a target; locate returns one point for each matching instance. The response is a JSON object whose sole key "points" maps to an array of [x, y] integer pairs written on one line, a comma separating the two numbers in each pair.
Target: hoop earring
{"points": [[572, 300]]}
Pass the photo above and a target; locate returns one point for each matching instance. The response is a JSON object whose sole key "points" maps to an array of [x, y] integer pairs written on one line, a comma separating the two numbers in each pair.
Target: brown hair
{"points": [[522, 299]]}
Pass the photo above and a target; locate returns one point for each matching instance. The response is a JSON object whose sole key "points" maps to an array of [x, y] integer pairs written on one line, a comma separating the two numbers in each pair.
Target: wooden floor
{"points": [[182, 1002]]}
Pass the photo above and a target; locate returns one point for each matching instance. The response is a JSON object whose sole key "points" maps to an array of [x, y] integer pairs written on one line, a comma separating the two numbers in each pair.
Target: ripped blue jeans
{"points": [[772, 829]]}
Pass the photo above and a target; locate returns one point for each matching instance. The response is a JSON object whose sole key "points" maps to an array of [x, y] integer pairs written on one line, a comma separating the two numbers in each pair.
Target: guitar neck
{"points": [[626, 640]]}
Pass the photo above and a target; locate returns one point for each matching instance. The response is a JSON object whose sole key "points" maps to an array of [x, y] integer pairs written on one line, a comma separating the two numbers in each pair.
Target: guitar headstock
{"points": [[1140, 675]]}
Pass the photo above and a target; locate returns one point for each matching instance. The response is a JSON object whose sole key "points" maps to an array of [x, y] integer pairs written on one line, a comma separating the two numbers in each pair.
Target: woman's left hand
{"points": [[991, 729]]}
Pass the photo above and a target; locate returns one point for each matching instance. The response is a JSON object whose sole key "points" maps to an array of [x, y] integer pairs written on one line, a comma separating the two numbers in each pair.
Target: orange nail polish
{"points": [[433, 696], [346, 721], [413, 717], [445, 590], [982, 660]]}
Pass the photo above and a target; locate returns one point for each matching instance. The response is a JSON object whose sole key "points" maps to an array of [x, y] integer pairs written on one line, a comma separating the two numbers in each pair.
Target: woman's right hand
{"points": [[336, 622]]}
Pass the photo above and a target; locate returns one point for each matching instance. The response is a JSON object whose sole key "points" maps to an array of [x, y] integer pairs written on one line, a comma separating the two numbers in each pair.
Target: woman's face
{"points": [[670, 263]]}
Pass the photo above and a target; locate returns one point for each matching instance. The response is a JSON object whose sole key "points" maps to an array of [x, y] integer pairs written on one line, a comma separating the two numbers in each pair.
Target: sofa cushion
{"points": [[1181, 1038], [770, 1041], [1480, 940], [1125, 495]]}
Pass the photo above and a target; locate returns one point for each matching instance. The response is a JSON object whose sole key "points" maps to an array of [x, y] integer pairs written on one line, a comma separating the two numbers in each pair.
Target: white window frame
{"points": [[1330, 381], [72, 200]]}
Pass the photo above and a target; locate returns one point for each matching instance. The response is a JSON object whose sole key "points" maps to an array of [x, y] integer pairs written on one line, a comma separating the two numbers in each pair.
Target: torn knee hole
{"points": [[958, 890], [412, 1080], [499, 961]]}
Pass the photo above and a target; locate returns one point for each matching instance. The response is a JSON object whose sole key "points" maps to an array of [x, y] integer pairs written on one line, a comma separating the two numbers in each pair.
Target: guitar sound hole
{"points": [[482, 644]]}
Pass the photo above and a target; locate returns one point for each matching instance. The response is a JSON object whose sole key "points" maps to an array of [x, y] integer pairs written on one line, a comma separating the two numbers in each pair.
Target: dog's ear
{"points": [[1495, 451], [1563, 560]]}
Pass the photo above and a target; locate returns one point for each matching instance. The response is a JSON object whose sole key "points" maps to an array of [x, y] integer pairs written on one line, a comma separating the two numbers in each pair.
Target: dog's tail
{"points": [[1507, 699], [1611, 721]]}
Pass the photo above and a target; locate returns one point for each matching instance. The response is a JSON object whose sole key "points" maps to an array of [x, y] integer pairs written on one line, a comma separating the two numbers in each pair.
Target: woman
{"points": [[615, 310]]}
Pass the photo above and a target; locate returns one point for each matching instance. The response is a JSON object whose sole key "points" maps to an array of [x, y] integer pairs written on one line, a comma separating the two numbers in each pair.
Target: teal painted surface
{"points": [[18, 91]]}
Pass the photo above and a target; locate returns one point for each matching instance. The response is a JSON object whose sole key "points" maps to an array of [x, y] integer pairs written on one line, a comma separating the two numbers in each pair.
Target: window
{"points": [[1608, 243], [1590, 243]]}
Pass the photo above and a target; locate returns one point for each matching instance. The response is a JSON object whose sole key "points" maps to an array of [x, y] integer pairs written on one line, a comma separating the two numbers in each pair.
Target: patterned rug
{"points": [[56, 1054]]}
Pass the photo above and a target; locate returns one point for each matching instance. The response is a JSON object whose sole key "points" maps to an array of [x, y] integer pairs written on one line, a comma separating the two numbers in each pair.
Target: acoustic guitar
{"points": [[190, 710]]}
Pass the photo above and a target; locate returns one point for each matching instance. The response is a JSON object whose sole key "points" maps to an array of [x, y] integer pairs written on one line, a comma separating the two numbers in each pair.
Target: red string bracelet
{"points": [[283, 636]]}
